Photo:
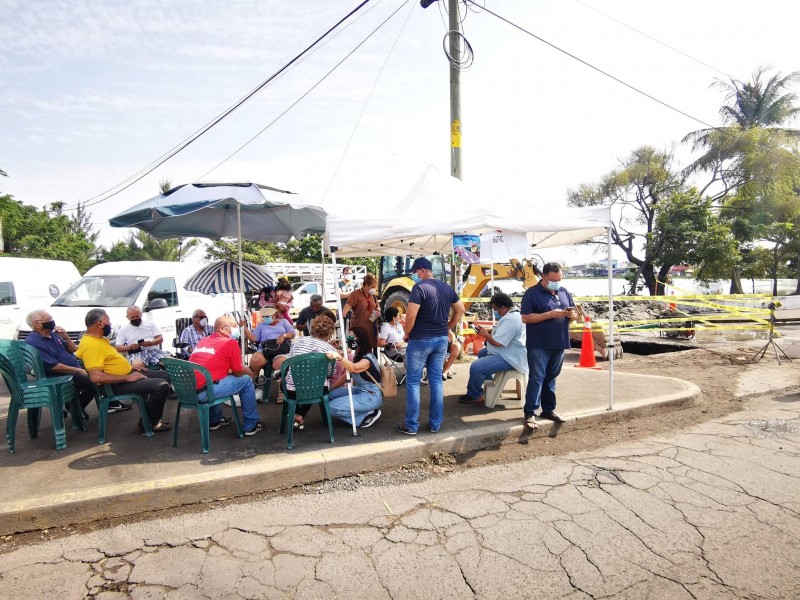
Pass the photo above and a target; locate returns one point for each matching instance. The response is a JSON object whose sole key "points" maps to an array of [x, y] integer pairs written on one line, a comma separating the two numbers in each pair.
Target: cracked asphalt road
{"points": [[708, 512]]}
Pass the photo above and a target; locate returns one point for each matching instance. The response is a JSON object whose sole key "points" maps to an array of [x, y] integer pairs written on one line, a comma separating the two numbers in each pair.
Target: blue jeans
{"points": [[366, 398], [543, 368], [482, 370], [426, 353], [230, 386]]}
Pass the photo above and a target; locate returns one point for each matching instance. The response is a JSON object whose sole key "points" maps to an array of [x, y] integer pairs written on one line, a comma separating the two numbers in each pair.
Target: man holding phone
{"points": [[547, 310]]}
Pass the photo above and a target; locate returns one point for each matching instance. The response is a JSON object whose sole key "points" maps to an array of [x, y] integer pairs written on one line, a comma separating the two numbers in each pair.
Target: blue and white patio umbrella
{"points": [[222, 277]]}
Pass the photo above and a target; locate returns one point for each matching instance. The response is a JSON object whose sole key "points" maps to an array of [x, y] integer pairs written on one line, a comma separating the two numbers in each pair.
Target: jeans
{"points": [[154, 388], [366, 398], [430, 353], [230, 386], [482, 370], [543, 366]]}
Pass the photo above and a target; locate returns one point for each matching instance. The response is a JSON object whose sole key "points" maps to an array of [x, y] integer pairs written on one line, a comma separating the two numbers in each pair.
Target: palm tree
{"points": [[752, 139]]}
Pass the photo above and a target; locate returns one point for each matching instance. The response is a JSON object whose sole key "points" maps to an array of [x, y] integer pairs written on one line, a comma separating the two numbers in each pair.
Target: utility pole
{"points": [[455, 91]]}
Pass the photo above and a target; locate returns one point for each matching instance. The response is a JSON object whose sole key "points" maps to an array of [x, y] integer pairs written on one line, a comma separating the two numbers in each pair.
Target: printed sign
{"points": [[500, 247], [467, 248]]}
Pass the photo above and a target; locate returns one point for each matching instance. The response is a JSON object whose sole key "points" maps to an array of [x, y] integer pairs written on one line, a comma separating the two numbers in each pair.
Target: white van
{"points": [[28, 284], [155, 287]]}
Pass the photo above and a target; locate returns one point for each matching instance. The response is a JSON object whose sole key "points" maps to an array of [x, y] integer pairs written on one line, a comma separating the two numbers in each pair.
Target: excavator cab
{"points": [[395, 284]]}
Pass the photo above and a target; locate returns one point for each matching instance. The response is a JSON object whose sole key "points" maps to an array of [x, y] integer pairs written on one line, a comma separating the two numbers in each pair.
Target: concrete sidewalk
{"points": [[131, 474]]}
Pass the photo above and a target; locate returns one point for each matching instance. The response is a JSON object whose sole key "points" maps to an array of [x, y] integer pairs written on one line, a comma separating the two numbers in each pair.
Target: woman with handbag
{"points": [[367, 394], [364, 306]]}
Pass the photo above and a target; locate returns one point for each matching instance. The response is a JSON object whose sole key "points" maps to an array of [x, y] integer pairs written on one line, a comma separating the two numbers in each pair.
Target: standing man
{"points": [[547, 309], [106, 365], [311, 312], [57, 351], [504, 349], [220, 354], [426, 329]]}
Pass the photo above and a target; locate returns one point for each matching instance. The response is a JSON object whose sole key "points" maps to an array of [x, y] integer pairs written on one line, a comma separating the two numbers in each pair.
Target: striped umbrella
{"points": [[222, 277]]}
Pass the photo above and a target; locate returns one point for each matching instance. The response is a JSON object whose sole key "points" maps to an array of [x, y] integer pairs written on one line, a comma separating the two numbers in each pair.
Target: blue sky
{"points": [[92, 91]]}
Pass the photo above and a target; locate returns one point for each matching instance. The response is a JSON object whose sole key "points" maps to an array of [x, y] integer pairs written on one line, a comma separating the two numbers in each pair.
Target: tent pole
{"points": [[241, 274], [610, 344], [344, 353]]}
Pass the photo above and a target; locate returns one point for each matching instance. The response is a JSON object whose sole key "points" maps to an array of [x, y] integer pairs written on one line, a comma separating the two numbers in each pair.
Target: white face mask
{"points": [[373, 292], [203, 322], [234, 333]]}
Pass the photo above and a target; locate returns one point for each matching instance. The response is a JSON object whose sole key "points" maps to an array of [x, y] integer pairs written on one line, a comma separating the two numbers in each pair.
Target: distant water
{"points": [[586, 286]]}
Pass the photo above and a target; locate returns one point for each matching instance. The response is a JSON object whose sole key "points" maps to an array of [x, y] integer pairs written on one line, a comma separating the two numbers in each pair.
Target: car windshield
{"points": [[103, 290]]}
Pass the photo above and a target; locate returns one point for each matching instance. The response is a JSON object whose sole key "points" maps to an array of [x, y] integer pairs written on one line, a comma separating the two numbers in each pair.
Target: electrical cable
{"points": [[312, 88], [366, 102], [462, 64], [721, 130], [657, 41], [183, 145]]}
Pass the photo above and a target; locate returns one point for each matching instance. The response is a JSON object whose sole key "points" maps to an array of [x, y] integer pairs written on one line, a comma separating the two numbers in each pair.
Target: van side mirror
{"points": [[155, 304]]}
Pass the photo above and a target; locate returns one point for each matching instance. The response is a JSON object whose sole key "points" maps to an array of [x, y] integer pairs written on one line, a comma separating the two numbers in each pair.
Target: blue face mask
{"points": [[235, 333], [496, 315], [414, 277], [553, 286]]}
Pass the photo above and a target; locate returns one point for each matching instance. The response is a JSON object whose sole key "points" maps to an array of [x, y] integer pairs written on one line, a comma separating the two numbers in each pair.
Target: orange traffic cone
{"points": [[587, 347]]}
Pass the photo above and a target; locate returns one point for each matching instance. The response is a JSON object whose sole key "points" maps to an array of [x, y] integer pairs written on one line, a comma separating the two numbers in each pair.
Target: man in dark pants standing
{"points": [[547, 309], [105, 365]]}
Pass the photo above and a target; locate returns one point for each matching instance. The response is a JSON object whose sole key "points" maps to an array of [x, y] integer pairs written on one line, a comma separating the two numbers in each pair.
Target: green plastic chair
{"points": [[182, 376], [31, 395], [310, 375], [105, 395], [33, 360]]}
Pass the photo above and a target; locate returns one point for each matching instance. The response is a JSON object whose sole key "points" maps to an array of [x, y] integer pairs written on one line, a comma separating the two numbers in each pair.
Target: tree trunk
{"points": [[775, 270], [736, 281], [649, 278], [662, 278]]}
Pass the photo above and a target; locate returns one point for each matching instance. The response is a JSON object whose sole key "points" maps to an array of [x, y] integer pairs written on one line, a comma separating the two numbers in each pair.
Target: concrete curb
{"points": [[44, 512]]}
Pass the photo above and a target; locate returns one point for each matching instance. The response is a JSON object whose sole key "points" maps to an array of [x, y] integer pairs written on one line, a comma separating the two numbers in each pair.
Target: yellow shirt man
{"points": [[98, 353]]}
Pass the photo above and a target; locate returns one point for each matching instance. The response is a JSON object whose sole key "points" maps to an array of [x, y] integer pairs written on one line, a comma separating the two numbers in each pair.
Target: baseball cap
{"points": [[421, 263]]}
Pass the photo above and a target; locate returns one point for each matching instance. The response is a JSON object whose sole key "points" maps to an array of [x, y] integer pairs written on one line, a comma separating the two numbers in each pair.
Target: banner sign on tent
{"points": [[500, 247], [468, 248]]}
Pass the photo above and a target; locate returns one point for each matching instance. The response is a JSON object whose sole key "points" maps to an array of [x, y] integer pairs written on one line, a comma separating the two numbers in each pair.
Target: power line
{"points": [[656, 40], [366, 102], [722, 130], [311, 89], [195, 136]]}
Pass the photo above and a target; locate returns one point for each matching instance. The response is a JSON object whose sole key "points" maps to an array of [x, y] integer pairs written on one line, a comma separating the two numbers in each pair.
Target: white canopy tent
{"points": [[437, 207]]}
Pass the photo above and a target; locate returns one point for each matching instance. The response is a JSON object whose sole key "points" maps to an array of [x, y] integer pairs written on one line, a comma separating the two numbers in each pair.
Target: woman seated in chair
{"points": [[391, 334], [367, 396], [272, 337]]}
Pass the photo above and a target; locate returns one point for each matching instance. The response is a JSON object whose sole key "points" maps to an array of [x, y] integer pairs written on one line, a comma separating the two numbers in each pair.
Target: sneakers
{"points": [[118, 407], [433, 429], [530, 422], [255, 429], [402, 429], [467, 399], [222, 422], [371, 417]]}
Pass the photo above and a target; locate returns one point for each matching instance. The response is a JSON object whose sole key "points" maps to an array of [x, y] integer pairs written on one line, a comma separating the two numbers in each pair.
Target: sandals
{"points": [[298, 424]]}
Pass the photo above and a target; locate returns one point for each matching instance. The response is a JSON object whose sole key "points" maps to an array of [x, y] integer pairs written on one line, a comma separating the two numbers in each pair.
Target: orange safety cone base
{"points": [[587, 360]]}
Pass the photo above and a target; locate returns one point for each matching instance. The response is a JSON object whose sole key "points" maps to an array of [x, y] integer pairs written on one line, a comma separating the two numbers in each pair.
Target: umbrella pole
{"points": [[241, 273], [344, 352]]}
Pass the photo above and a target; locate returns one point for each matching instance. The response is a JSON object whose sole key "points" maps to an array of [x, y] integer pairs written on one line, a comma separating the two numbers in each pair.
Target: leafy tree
{"points": [[143, 246], [749, 154]]}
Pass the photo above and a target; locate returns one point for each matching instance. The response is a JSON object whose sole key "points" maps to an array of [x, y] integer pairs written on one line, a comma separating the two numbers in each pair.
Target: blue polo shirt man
{"points": [[547, 309], [56, 349]]}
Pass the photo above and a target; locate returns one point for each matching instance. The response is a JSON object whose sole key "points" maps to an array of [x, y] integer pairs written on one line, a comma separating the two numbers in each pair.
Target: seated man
{"points": [[220, 354], [504, 349], [57, 352], [106, 365], [196, 331], [390, 336], [272, 336], [140, 339], [311, 312]]}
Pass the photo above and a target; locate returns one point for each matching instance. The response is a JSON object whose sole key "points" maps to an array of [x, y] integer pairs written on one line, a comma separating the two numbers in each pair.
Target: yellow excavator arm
{"points": [[478, 276]]}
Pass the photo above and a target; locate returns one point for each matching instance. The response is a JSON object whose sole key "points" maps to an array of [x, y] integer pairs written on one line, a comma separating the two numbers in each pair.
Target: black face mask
{"points": [[136, 322], [49, 325], [107, 329]]}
